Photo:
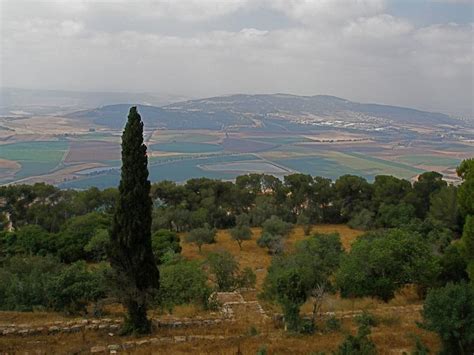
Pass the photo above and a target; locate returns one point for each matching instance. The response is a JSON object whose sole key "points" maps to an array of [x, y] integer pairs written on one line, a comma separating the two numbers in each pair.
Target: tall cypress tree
{"points": [[130, 254]]}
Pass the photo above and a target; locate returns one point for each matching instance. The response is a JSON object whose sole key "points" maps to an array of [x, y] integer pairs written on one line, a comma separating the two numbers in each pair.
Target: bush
{"points": [[252, 331], [379, 264], [98, 245], [275, 226], [395, 216], [75, 287], [449, 311], [333, 324], [29, 240], [273, 232], [76, 234], [227, 276], [363, 219], [366, 319], [304, 221], [453, 265], [182, 282], [28, 283], [360, 344], [25, 281], [274, 243], [164, 241]]}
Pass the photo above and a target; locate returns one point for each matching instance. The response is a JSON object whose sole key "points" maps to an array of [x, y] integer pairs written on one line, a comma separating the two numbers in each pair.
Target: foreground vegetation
{"points": [[56, 245]]}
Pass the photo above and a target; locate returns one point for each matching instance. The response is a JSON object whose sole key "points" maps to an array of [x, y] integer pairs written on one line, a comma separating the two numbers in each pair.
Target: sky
{"points": [[416, 53]]}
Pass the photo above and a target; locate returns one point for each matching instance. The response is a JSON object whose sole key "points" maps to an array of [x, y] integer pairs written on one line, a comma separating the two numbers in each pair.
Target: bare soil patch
{"points": [[92, 151]]}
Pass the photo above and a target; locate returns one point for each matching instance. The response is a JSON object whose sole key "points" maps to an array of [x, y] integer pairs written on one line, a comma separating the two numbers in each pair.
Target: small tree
{"points": [[292, 278], [201, 236], [291, 293], [226, 272], [75, 287], [304, 221], [276, 226], [241, 234], [274, 230], [449, 311]]}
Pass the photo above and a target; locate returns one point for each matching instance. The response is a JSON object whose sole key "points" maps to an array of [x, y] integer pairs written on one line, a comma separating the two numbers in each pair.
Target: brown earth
{"points": [[92, 151]]}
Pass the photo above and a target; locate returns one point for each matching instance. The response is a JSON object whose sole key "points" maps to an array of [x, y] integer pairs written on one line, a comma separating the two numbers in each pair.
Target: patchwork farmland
{"points": [[79, 158]]}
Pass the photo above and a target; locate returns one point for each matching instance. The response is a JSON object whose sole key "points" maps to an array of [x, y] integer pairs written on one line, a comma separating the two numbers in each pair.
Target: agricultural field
{"points": [[66, 159], [31, 158], [250, 330]]}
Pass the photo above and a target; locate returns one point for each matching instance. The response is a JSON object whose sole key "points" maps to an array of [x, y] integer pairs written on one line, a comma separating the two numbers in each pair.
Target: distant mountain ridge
{"points": [[247, 111]]}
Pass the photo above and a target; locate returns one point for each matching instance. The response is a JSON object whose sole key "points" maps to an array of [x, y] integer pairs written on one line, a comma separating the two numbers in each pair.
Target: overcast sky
{"points": [[415, 53]]}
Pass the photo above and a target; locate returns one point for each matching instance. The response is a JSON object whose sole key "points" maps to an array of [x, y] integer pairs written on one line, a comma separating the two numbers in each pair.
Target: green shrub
{"points": [[76, 234], [34, 282], [74, 287], [25, 281], [98, 245], [333, 324], [364, 219], [366, 319], [274, 243], [262, 350], [449, 311], [182, 282], [253, 331], [420, 348], [226, 273], [359, 344], [378, 264], [274, 230], [164, 241]]}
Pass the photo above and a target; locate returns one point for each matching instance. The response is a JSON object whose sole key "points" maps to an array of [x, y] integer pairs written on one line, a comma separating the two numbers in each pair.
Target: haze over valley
{"points": [[70, 143]]}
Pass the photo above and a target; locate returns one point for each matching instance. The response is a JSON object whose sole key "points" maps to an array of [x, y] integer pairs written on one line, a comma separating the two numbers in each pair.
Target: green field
{"points": [[199, 155], [429, 160], [318, 166], [186, 147], [281, 140], [169, 137], [178, 170], [35, 158]]}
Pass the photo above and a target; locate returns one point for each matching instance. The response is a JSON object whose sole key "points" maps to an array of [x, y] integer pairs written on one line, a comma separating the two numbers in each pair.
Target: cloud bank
{"points": [[349, 48]]}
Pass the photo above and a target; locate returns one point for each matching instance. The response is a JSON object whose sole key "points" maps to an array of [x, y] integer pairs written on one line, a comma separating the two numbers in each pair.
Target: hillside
{"points": [[190, 329], [269, 112]]}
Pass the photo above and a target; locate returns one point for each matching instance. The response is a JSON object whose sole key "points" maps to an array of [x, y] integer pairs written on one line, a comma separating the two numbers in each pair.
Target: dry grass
{"points": [[393, 334], [258, 258]]}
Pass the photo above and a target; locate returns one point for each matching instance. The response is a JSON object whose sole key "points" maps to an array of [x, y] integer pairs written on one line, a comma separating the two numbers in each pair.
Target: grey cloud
{"points": [[353, 50]]}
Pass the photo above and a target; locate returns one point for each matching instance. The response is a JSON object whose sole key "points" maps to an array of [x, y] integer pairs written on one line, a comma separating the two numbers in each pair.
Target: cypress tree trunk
{"points": [[131, 256]]}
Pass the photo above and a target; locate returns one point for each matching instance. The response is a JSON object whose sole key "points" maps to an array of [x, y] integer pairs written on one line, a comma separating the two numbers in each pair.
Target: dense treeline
{"points": [[418, 234], [386, 203]]}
